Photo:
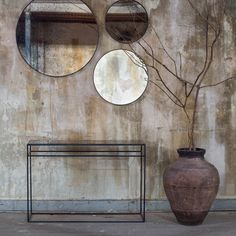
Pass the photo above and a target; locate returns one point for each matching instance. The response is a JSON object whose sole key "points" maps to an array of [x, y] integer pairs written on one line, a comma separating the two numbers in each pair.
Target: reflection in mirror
{"points": [[56, 37], [120, 77], [231, 5], [126, 21]]}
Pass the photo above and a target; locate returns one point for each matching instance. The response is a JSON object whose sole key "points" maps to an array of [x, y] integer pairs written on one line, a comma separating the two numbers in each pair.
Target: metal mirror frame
{"points": [[57, 76], [141, 35], [115, 104]]}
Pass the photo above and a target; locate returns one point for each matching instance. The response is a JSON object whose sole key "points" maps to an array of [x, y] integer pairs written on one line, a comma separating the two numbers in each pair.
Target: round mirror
{"points": [[120, 77], [126, 21], [57, 38]]}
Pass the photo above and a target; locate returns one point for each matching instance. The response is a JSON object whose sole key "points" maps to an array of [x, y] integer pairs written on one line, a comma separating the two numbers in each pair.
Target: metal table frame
{"points": [[73, 150]]}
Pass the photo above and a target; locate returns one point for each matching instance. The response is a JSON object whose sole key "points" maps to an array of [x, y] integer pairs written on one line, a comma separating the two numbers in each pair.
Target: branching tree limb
{"points": [[216, 84], [211, 15]]}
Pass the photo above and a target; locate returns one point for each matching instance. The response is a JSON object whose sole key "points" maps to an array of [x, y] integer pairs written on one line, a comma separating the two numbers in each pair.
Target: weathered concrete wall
{"points": [[34, 106]]}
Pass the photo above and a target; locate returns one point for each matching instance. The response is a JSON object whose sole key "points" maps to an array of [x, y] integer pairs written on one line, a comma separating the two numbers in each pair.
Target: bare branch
{"points": [[189, 124], [140, 63], [200, 14], [159, 76], [205, 62], [216, 84], [165, 93], [192, 144], [209, 60], [164, 49], [153, 61], [180, 64], [163, 65], [186, 90], [165, 85], [211, 56], [211, 13]]}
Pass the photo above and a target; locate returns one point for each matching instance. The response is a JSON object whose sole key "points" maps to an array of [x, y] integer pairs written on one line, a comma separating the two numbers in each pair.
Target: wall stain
{"points": [[70, 109], [227, 135]]}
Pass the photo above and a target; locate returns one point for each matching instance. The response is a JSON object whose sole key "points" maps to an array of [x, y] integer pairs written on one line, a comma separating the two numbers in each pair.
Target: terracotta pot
{"points": [[191, 185]]}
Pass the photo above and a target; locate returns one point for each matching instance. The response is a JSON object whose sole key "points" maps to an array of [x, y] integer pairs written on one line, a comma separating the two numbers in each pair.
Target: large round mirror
{"points": [[120, 77], [126, 21], [56, 37]]}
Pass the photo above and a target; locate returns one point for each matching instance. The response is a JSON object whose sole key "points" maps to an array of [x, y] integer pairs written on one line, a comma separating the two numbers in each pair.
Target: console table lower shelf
{"points": [[108, 151]]}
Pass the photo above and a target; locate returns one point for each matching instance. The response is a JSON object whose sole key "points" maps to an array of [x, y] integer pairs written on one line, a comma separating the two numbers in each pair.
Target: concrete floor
{"points": [[161, 224]]}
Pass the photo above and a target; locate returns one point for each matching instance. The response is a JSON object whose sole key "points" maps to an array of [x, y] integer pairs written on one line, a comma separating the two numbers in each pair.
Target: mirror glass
{"points": [[126, 21], [56, 37], [231, 6], [120, 77]]}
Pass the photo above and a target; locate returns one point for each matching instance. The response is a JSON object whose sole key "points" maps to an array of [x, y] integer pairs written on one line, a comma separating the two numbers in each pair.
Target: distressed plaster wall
{"points": [[34, 106]]}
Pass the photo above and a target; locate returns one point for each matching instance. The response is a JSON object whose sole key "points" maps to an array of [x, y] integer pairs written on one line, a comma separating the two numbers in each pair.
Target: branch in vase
{"points": [[201, 15], [162, 64], [164, 49], [175, 102], [216, 84], [209, 56]]}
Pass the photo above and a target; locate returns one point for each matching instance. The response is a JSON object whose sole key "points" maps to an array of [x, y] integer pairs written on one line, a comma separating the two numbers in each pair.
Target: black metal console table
{"points": [[83, 149]]}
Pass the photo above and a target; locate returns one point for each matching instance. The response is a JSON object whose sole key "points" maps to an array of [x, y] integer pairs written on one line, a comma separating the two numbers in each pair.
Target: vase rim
{"points": [[191, 153]]}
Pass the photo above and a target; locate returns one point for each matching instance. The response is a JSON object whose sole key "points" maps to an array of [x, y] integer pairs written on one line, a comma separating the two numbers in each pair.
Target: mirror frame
{"points": [[115, 104], [131, 41], [58, 76]]}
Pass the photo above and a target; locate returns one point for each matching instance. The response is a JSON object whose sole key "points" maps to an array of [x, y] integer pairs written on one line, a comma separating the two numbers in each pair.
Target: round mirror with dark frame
{"points": [[55, 37], [126, 21], [120, 77]]}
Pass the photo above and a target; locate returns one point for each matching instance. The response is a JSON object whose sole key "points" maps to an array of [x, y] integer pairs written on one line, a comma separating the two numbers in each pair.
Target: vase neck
{"points": [[191, 153]]}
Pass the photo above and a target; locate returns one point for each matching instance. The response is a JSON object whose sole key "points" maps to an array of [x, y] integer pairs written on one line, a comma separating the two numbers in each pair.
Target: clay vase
{"points": [[191, 185]]}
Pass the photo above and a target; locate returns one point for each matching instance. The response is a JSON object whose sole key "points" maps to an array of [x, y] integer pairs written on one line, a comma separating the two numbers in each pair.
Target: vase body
{"points": [[191, 185]]}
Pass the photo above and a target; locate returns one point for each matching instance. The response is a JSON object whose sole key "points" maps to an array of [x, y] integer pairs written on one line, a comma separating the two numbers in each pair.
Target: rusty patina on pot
{"points": [[191, 185]]}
